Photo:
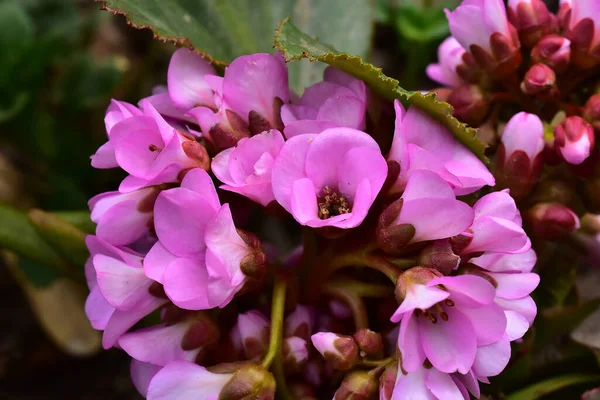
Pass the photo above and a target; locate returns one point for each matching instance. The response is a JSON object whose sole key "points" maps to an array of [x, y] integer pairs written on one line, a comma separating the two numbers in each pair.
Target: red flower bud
{"points": [[552, 221], [591, 112], [531, 18], [470, 104], [539, 79], [574, 140], [554, 51]]}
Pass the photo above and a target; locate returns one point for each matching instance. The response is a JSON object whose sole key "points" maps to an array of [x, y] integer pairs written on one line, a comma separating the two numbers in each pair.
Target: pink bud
{"points": [[369, 342], [519, 161], [357, 385], [250, 381], [439, 255], [339, 350], [554, 51], [538, 79], [251, 334], [387, 381], [591, 112], [574, 140], [300, 322], [531, 18], [552, 221], [413, 276], [295, 353], [470, 104]]}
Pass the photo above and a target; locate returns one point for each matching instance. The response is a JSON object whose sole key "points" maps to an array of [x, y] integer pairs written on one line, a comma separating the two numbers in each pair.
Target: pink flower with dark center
{"points": [[246, 168], [450, 56], [423, 143], [329, 179], [340, 100]]}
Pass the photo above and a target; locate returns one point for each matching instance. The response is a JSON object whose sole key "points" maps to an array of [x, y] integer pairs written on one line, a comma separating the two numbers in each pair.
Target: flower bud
{"points": [[392, 238], [519, 160], [339, 350], [357, 385], [574, 140], [369, 343], [554, 51], [251, 382], [538, 79], [250, 335], [295, 353], [416, 275], [470, 104], [591, 111], [387, 381], [202, 332], [552, 221], [299, 322], [531, 18], [439, 255]]}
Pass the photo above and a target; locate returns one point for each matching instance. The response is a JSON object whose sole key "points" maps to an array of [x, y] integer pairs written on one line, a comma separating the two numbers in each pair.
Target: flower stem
{"points": [[359, 313], [277, 311]]}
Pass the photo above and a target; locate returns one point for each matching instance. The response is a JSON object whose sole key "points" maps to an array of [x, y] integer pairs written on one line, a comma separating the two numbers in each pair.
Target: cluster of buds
{"points": [[180, 243]]}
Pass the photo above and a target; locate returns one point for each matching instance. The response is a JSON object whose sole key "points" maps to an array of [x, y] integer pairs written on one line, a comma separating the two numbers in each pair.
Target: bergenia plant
{"points": [[269, 244]]}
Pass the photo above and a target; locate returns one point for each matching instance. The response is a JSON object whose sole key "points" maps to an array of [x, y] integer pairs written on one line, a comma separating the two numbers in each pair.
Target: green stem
{"points": [[365, 260], [277, 311], [282, 390]]}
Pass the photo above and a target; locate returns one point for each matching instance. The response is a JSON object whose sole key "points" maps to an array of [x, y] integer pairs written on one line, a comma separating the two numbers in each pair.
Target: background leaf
{"points": [[225, 29], [297, 45], [540, 389]]}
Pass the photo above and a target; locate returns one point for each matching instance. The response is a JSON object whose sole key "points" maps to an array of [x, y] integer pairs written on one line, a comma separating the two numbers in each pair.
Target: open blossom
{"points": [[450, 54], [246, 168], [329, 179], [423, 143], [338, 100], [200, 256]]}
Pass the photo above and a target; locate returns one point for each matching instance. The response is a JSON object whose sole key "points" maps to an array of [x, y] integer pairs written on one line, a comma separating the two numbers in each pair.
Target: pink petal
{"points": [[525, 306], [466, 290], [105, 157], [498, 204], [497, 235], [489, 323], [515, 285], [163, 104], [141, 375], [409, 344], [306, 126], [304, 201], [498, 262], [419, 297], [347, 111], [294, 112], [449, 345], [123, 223], [185, 282], [317, 94], [200, 182], [492, 359], [412, 385], [156, 262], [187, 87], [426, 185], [97, 309], [516, 325], [442, 386], [220, 165], [185, 380], [123, 286], [358, 164], [469, 380]]}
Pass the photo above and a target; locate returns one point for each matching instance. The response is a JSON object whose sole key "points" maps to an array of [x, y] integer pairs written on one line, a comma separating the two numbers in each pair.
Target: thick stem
{"points": [[359, 313], [277, 311]]}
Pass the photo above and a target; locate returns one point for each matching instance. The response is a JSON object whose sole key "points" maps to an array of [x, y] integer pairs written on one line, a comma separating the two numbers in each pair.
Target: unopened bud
{"points": [[250, 335], [339, 350], [554, 51], [357, 385], [369, 343], [461, 242], [251, 382], [470, 104], [413, 276], [540, 78], [552, 221], [254, 265], [387, 382], [392, 238], [202, 332], [300, 322], [439, 255], [196, 151], [295, 353], [591, 112], [574, 140], [531, 18]]}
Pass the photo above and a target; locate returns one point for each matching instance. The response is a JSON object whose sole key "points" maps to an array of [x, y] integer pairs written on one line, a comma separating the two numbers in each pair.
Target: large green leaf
{"points": [[224, 29], [297, 45], [540, 389]]}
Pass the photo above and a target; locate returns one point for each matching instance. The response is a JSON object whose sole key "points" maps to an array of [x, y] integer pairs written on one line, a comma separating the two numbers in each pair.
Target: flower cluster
{"points": [[198, 273]]}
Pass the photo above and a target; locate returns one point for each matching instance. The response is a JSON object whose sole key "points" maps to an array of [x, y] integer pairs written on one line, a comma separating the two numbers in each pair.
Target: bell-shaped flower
{"points": [[444, 319], [427, 210], [116, 112], [481, 27], [339, 350], [119, 295], [153, 152], [338, 100], [246, 168], [242, 109], [519, 160], [329, 179], [200, 257], [496, 227], [574, 140], [420, 142], [123, 218], [450, 56], [186, 84], [250, 335]]}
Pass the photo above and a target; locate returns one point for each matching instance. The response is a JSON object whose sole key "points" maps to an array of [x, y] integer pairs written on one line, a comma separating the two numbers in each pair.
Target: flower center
{"points": [[331, 203], [433, 312]]}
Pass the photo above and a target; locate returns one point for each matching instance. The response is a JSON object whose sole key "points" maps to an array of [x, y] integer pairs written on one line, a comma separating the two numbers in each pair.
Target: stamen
{"points": [[153, 147], [449, 303], [331, 204], [444, 316]]}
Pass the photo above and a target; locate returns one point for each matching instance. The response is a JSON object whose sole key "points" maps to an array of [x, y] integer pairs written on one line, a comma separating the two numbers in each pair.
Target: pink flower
{"points": [[123, 218], [338, 100], [186, 84], [242, 108], [339, 350], [329, 179], [185, 380], [116, 112], [425, 194], [246, 168], [119, 295], [445, 319], [431, 384], [152, 151], [250, 335], [450, 56], [574, 140], [496, 227], [200, 256], [422, 143]]}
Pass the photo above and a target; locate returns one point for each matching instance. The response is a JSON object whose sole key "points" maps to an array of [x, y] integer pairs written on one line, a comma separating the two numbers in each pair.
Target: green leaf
{"points": [[421, 25], [222, 30], [16, 33], [81, 219], [17, 234], [297, 45], [548, 386]]}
